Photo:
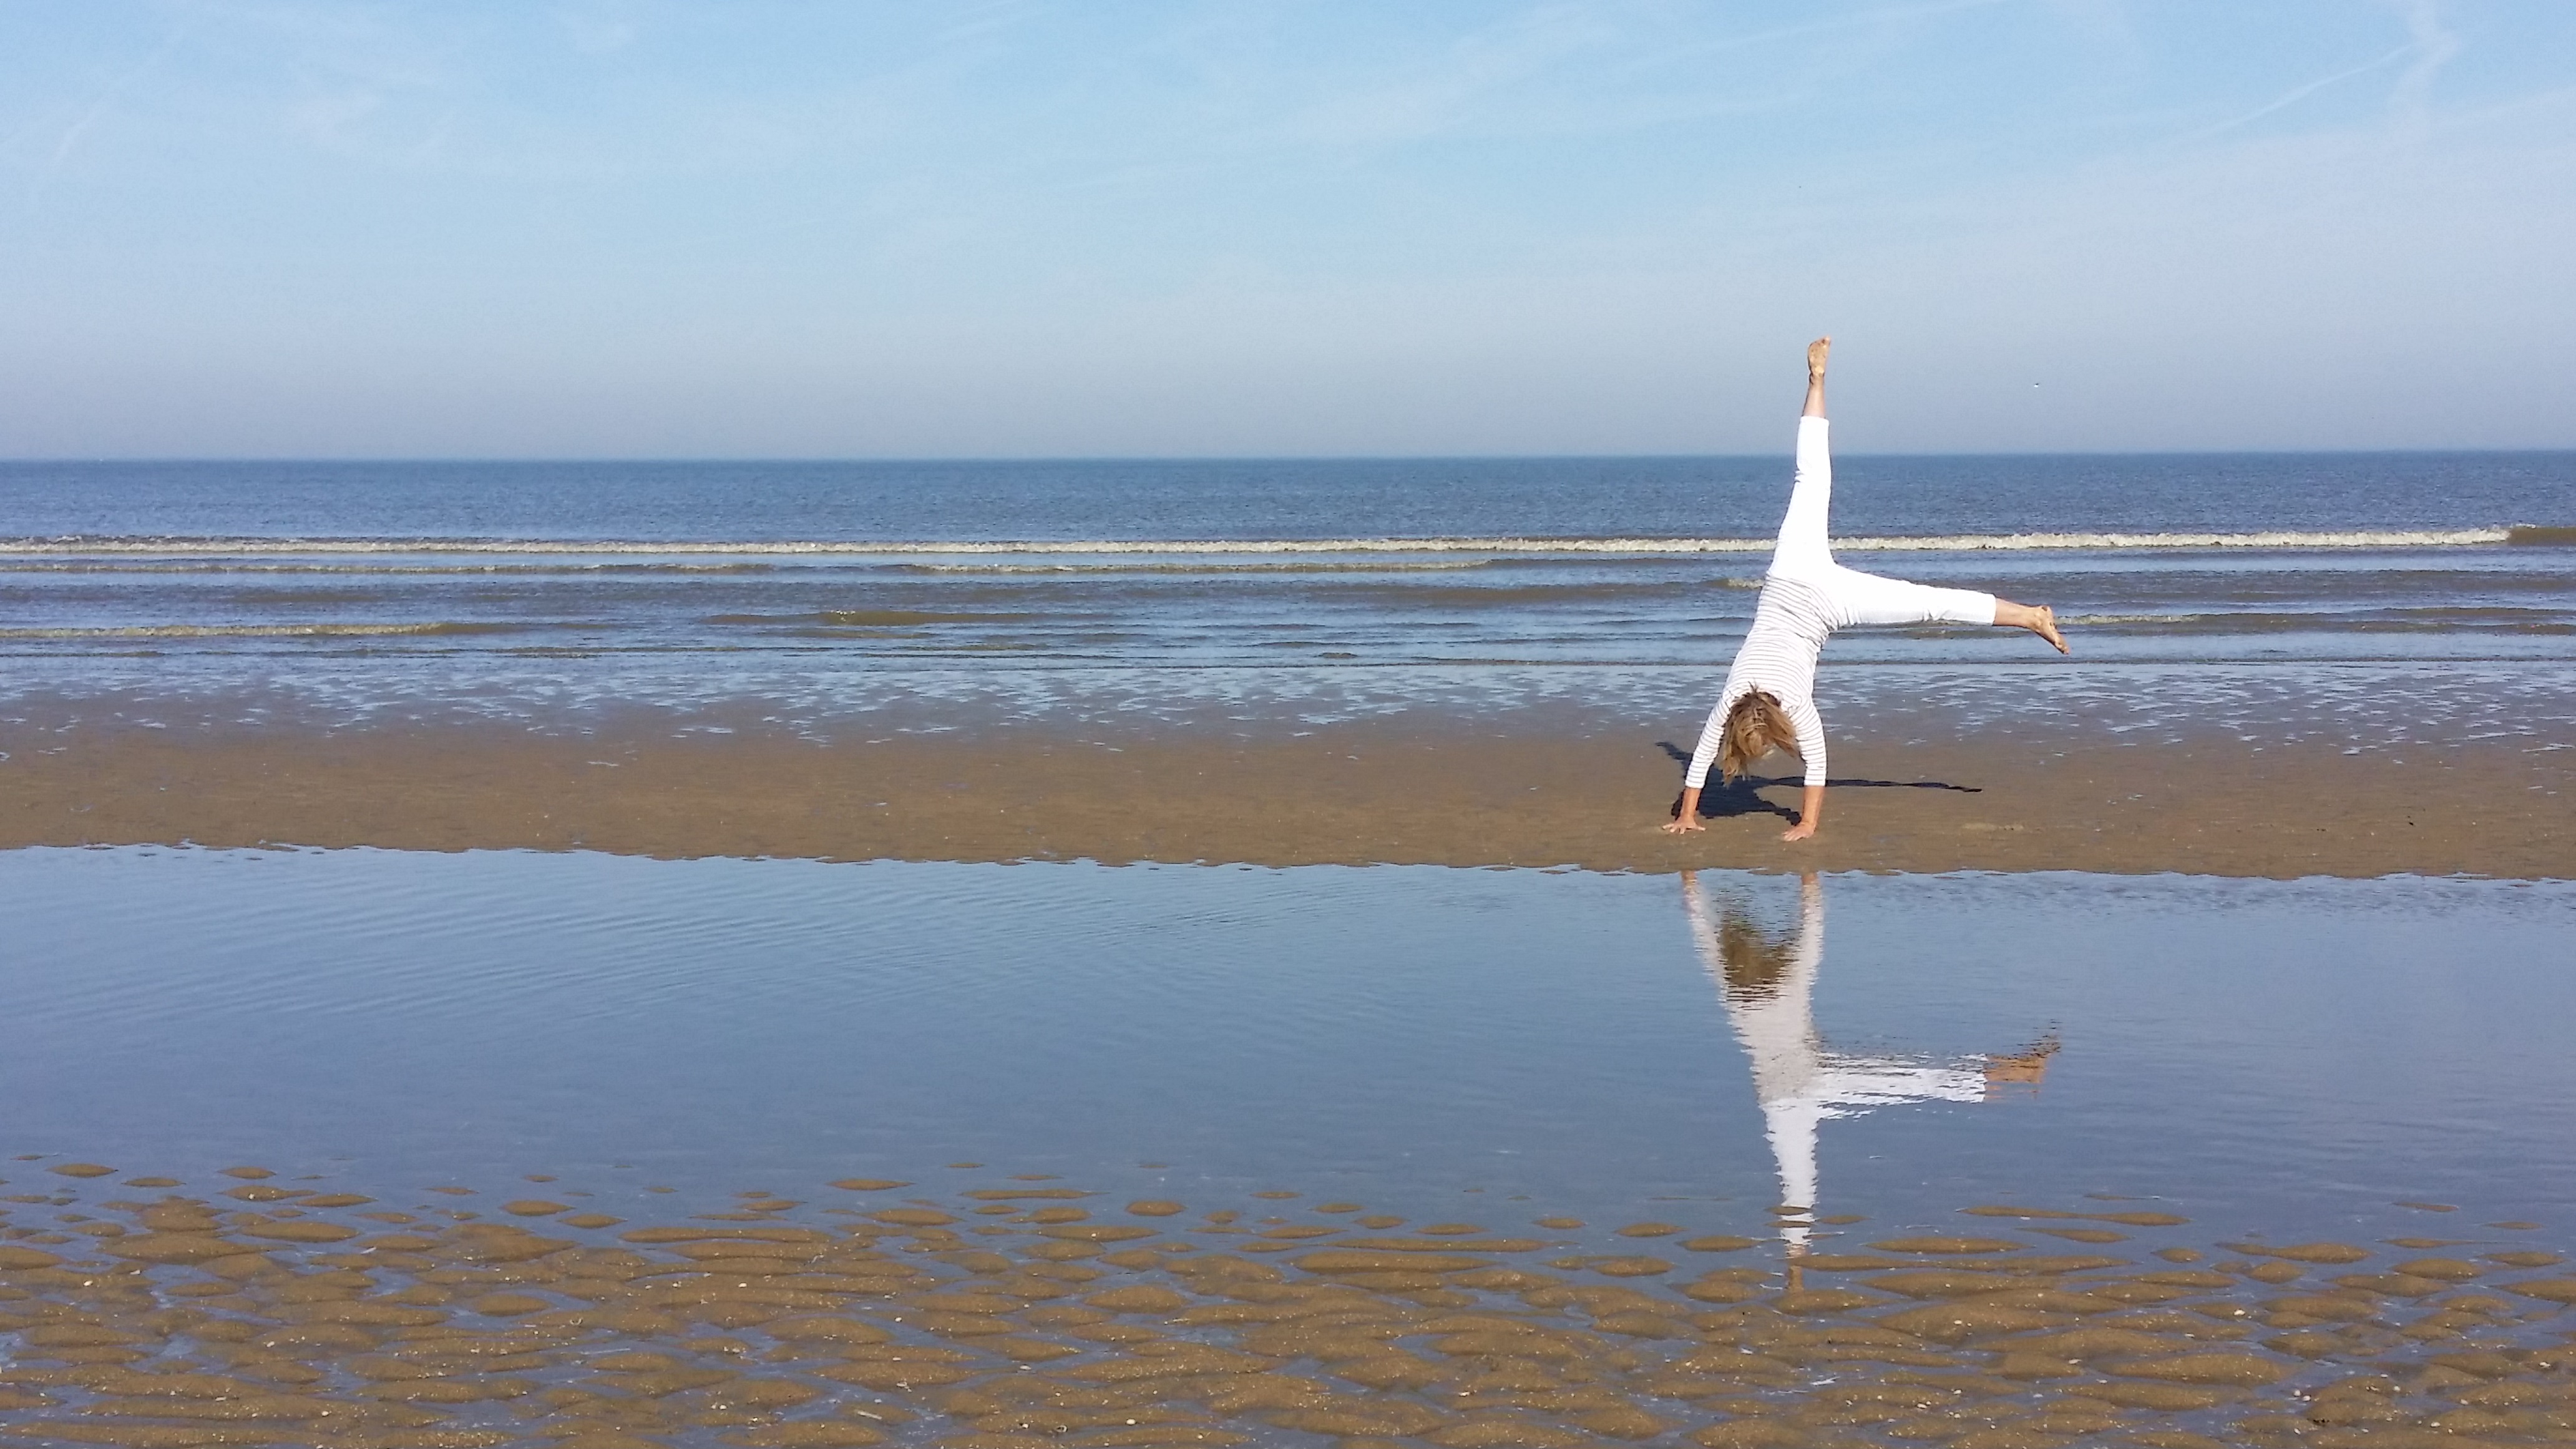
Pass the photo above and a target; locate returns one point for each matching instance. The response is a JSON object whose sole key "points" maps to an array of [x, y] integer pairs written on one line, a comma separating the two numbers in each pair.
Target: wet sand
{"points": [[1016, 1312], [1427, 791]]}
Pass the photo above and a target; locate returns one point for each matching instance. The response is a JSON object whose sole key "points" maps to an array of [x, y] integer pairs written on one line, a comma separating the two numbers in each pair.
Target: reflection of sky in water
{"points": [[2281, 1057]]}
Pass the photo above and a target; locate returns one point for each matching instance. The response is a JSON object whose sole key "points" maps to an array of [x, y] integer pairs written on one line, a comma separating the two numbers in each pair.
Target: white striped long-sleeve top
{"points": [[1792, 620], [1790, 626]]}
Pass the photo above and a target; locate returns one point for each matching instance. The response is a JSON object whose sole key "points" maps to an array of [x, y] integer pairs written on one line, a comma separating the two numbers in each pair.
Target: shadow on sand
{"points": [[1726, 799]]}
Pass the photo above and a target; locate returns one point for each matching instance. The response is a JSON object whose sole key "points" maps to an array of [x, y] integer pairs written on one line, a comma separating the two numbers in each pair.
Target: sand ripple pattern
{"points": [[1021, 1312]]}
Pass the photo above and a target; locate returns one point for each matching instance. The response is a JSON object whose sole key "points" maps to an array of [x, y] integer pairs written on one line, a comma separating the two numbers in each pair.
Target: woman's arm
{"points": [[1686, 814], [1811, 749], [1811, 809], [1712, 738]]}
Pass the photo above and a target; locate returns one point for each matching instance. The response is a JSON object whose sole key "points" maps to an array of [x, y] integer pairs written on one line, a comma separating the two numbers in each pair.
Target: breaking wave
{"points": [[252, 631], [166, 548]]}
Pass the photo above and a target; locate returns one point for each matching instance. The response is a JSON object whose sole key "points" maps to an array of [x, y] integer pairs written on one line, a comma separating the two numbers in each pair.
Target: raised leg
{"points": [[1802, 545]]}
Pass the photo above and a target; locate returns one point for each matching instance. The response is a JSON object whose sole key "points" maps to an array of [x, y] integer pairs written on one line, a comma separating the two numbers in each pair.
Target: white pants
{"points": [[1803, 553], [1876, 599]]}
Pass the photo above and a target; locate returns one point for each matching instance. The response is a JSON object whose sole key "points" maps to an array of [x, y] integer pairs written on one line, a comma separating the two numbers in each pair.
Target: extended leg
{"points": [[2037, 618], [1876, 599]]}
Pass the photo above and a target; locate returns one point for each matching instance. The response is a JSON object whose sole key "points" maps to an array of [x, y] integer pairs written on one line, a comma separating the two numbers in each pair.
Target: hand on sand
{"points": [[1799, 831], [1816, 353], [1682, 825], [2045, 626]]}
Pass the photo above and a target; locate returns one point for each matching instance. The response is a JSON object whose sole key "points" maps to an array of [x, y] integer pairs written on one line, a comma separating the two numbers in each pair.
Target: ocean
{"points": [[828, 598]]}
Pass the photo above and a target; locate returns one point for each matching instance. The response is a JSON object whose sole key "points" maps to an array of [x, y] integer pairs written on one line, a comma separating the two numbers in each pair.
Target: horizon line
{"points": [[13, 460]]}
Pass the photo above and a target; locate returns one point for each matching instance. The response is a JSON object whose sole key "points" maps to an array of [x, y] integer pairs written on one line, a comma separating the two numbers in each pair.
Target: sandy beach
{"points": [[1448, 791], [1021, 1312]]}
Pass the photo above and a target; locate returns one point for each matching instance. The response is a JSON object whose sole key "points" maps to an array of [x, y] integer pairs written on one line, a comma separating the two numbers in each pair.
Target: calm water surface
{"points": [[2262, 1057]]}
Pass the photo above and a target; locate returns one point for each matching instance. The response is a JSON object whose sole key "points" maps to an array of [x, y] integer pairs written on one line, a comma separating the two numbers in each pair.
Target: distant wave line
{"points": [[87, 561], [1373, 567], [1939, 543], [252, 631]]}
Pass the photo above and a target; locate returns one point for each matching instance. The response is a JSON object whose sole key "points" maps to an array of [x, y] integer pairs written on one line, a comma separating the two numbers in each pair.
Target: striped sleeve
{"points": [[1811, 735]]}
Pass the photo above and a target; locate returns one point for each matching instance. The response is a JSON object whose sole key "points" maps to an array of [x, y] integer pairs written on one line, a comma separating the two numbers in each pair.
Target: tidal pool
{"points": [[2289, 1058], [395, 1151]]}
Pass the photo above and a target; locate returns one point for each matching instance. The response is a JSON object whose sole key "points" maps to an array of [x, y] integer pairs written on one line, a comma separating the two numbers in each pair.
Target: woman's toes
{"points": [[2047, 629]]}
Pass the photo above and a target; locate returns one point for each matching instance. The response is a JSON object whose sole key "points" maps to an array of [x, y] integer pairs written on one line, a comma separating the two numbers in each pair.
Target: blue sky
{"points": [[621, 228]]}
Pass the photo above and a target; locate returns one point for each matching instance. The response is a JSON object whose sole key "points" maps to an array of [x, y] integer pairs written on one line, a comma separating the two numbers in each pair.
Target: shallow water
{"points": [[2269, 1058], [2372, 709], [831, 596], [227, 608], [445, 1151]]}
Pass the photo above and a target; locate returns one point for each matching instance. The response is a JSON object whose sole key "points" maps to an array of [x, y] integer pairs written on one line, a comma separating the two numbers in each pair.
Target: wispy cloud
{"points": [[597, 27], [1876, 18], [454, 90], [1436, 95], [100, 104], [1572, 68], [2298, 93], [2429, 45], [2433, 44], [991, 17]]}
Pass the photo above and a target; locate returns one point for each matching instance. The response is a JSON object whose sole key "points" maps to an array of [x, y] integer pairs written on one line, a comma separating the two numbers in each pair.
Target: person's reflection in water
{"points": [[1768, 985]]}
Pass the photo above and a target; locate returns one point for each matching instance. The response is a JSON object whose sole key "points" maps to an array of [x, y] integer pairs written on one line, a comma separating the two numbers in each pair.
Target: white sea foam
{"points": [[1241, 548], [247, 631], [1371, 567]]}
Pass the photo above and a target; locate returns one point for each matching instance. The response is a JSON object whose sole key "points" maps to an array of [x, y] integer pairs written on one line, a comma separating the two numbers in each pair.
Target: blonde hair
{"points": [[1755, 961], [1754, 728]]}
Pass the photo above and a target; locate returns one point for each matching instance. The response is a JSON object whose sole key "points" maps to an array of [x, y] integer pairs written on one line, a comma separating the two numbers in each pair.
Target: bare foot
{"points": [[1816, 354], [2044, 624], [2026, 1067]]}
